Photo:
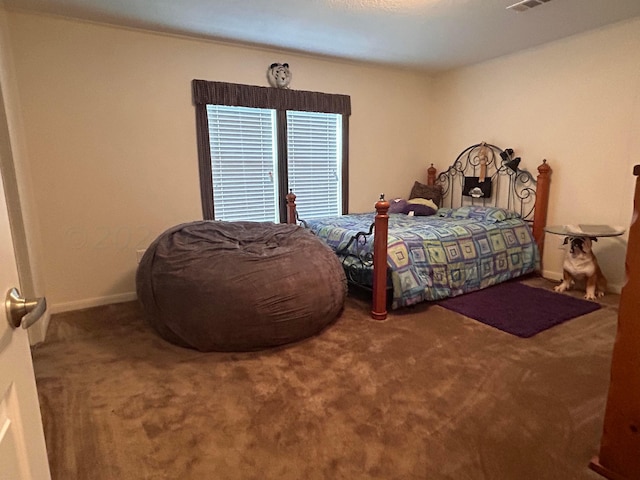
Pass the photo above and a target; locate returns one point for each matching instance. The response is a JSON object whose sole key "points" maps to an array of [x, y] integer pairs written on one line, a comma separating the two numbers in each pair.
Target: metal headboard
{"points": [[512, 188]]}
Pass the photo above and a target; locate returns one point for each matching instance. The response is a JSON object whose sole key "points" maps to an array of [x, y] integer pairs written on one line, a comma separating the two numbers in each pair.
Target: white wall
{"points": [[109, 134], [110, 130], [575, 102]]}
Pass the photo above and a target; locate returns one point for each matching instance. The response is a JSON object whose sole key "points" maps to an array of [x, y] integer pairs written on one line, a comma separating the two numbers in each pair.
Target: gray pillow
{"points": [[430, 192]]}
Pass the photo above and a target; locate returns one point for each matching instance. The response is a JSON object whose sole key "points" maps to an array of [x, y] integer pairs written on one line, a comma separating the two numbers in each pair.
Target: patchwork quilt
{"points": [[447, 254]]}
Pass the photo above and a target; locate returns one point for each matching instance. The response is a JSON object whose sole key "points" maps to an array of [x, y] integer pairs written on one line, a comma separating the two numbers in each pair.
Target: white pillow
{"points": [[424, 201]]}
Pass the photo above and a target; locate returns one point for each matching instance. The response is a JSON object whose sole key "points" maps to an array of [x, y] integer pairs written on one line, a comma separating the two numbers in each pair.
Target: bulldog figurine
{"points": [[581, 263]]}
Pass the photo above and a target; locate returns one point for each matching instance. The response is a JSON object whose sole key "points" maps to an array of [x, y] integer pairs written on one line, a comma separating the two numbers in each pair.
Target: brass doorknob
{"points": [[21, 311]]}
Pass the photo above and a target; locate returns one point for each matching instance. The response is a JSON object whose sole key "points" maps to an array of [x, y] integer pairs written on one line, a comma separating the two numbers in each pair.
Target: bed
{"points": [[476, 224]]}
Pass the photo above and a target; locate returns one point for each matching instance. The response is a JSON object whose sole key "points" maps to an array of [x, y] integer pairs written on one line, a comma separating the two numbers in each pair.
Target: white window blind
{"points": [[243, 163], [314, 151]]}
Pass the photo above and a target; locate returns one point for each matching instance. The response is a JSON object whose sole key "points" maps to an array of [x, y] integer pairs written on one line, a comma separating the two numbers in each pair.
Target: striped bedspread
{"points": [[444, 255]]}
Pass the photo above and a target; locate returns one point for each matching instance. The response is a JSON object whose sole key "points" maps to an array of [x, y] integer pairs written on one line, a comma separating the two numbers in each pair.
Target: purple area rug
{"points": [[518, 309]]}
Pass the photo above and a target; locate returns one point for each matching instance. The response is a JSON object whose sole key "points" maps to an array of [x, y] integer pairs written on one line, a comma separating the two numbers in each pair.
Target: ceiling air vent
{"points": [[525, 5]]}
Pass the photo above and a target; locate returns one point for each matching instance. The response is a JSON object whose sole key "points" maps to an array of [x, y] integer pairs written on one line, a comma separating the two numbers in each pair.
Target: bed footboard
{"points": [[381, 228]]}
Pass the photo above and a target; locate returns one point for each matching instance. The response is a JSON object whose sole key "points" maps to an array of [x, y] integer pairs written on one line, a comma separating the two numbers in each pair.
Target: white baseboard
{"points": [[615, 288], [92, 302], [557, 276], [551, 275]]}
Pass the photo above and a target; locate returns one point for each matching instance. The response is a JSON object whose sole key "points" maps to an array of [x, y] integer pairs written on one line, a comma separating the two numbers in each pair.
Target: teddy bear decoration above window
{"points": [[279, 75]]}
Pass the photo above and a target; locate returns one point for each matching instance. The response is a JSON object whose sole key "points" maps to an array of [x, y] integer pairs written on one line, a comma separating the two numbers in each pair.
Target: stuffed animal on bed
{"points": [[279, 75]]}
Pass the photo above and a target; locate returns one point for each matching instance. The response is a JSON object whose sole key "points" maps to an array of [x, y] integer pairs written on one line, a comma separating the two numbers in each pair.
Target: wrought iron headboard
{"points": [[512, 188]]}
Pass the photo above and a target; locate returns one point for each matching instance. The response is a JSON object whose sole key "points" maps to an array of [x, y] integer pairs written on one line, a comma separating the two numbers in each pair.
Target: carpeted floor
{"points": [[426, 394]]}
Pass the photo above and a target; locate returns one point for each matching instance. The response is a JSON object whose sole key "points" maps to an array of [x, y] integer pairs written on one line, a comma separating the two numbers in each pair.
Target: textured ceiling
{"points": [[431, 35]]}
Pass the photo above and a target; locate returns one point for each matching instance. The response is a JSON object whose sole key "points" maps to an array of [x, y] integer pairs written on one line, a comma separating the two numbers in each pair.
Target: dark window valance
{"points": [[235, 94]]}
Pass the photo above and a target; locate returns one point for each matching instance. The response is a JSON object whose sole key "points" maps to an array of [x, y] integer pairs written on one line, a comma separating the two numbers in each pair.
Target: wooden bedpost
{"points": [[542, 203], [291, 208], [431, 175], [381, 229]]}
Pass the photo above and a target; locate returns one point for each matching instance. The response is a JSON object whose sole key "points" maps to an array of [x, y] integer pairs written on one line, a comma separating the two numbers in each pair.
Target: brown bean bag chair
{"points": [[239, 286]]}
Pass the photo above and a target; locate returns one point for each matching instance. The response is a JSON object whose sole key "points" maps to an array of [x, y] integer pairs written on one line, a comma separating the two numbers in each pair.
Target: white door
{"points": [[23, 455]]}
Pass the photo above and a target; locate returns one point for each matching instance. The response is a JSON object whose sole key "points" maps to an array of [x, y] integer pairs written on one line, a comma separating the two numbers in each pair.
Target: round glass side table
{"points": [[585, 230]]}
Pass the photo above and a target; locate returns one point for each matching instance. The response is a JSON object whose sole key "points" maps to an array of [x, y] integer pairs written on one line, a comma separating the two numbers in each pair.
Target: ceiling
{"points": [[431, 35]]}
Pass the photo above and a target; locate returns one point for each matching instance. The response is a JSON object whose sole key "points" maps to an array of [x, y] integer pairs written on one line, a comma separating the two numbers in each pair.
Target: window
{"points": [[243, 163], [256, 143], [314, 162]]}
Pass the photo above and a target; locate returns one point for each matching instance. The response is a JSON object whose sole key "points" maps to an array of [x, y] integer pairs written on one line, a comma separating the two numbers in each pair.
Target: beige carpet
{"points": [[427, 394]]}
